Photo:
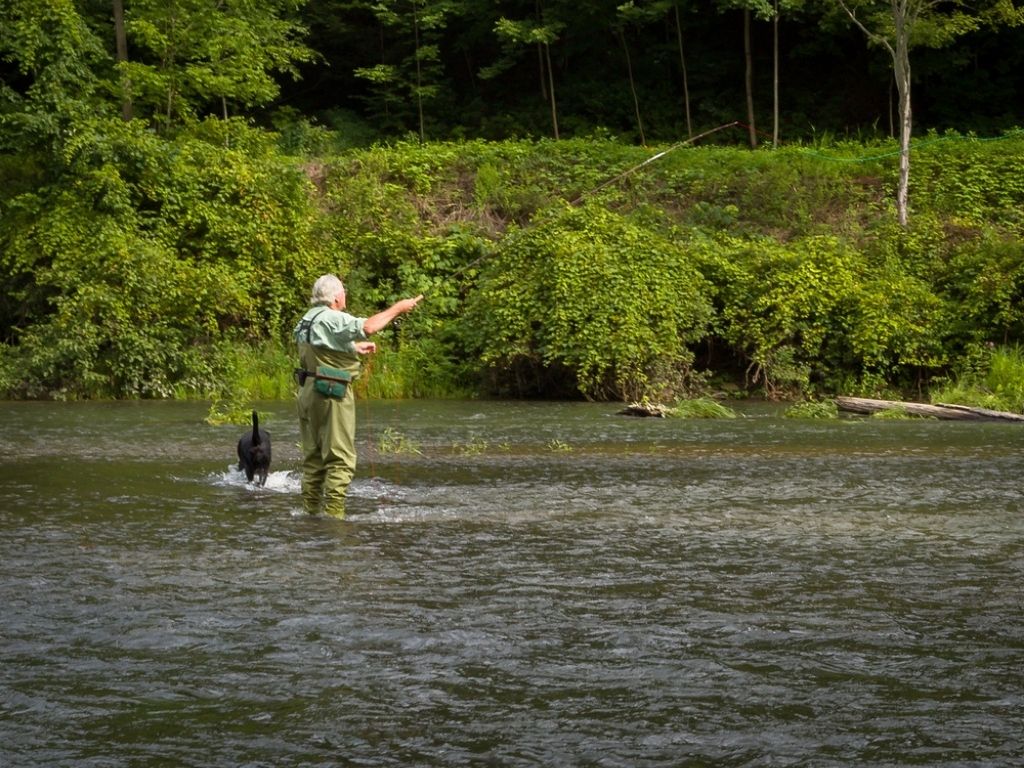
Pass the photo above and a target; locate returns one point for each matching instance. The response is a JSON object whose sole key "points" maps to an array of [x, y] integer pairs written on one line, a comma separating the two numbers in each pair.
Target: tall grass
{"points": [[702, 408], [413, 370], [250, 374], [999, 385]]}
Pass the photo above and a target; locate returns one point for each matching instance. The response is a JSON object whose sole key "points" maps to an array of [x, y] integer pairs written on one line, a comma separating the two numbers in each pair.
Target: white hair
{"points": [[325, 289]]}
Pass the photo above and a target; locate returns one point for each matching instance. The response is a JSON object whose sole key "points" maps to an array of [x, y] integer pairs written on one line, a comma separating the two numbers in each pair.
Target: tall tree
{"points": [[775, 74], [778, 7], [642, 12], [682, 65], [410, 63], [192, 57], [121, 44], [899, 25], [56, 56], [628, 15], [762, 9], [540, 32]]}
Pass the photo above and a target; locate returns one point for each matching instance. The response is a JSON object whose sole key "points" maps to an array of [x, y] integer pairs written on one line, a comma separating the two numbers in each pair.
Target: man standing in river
{"points": [[330, 341]]}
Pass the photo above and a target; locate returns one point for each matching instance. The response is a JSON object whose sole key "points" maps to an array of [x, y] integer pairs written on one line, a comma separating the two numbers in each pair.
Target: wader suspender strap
{"points": [[309, 323], [300, 373]]}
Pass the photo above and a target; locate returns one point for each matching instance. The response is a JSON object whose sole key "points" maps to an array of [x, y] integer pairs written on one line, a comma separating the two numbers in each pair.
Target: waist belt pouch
{"points": [[331, 382]]}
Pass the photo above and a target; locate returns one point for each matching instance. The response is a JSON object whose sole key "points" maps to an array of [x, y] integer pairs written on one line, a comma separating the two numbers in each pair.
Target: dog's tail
{"points": [[255, 429]]}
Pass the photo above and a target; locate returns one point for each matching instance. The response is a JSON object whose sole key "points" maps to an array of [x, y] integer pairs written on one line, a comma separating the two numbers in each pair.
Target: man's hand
{"points": [[366, 347], [408, 305]]}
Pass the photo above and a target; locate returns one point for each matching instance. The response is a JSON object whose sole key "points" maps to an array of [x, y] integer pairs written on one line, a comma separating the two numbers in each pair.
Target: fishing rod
{"points": [[609, 182], [650, 160], [398, 322]]}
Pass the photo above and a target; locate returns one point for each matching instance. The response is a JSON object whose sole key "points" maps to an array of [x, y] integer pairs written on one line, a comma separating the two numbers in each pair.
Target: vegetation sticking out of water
{"points": [[813, 409], [701, 408]]}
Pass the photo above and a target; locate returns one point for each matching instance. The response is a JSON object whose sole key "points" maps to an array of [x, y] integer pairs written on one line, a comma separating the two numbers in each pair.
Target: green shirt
{"points": [[331, 329]]}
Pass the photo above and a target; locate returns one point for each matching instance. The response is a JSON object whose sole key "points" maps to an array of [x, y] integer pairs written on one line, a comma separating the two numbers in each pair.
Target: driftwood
{"points": [[646, 409], [939, 411]]}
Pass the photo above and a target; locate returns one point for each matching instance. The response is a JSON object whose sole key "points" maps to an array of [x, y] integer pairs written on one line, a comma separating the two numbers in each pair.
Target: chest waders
{"points": [[328, 429]]}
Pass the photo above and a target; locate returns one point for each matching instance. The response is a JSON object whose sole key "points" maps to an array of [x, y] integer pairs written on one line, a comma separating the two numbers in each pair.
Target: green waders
{"points": [[328, 429]]}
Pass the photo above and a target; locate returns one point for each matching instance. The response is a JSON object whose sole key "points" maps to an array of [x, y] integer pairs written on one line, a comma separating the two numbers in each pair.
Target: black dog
{"points": [[254, 452]]}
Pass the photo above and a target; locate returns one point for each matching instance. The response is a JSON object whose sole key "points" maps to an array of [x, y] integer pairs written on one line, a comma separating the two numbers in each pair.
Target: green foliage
{"points": [[231, 410], [991, 378], [131, 278], [974, 182], [421, 369], [263, 371], [596, 294], [176, 267], [813, 409], [896, 413], [781, 304], [984, 279], [410, 73], [191, 58], [52, 46], [392, 441], [474, 447], [701, 408]]}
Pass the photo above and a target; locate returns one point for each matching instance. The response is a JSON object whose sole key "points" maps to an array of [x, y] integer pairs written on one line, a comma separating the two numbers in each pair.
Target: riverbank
{"points": [[551, 269]]}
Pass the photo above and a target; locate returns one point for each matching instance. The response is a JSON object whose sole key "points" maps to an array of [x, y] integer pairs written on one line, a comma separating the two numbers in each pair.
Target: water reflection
{"points": [[541, 584]]}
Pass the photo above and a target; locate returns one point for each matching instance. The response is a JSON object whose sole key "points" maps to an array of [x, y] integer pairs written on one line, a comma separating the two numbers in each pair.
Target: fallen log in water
{"points": [[940, 411]]}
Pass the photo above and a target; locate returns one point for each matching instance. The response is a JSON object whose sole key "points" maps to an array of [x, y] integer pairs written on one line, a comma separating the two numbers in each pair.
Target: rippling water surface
{"points": [[536, 585]]}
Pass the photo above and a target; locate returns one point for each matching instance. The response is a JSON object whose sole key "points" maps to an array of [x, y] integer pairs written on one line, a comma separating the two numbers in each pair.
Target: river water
{"points": [[526, 584]]}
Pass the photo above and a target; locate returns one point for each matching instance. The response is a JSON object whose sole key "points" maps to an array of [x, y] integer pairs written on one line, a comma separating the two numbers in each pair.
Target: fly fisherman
{"points": [[330, 341]]}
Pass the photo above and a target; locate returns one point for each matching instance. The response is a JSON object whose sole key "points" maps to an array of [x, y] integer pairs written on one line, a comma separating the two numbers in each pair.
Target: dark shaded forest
{"points": [[830, 80], [644, 71]]}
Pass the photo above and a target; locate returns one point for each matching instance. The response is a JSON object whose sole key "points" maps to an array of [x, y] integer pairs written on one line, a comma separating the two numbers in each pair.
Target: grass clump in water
{"points": [[813, 409], [474, 447], [702, 408], [395, 442], [897, 413], [231, 410]]}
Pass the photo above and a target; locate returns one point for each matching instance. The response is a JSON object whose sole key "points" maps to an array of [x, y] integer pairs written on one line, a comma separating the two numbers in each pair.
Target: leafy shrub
{"points": [[127, 275], [782, 304], [590, 292]]}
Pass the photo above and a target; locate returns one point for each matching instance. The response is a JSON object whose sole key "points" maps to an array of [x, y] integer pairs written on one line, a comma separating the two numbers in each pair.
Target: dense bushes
{"points": [[126, 275], [591, 293], [145, 264]]}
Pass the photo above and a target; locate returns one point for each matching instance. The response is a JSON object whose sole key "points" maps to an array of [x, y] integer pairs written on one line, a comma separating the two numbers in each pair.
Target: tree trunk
{"points": [[121, 40], [904, 17], [749, 78], [541, 68], [775, 77], [901, 68], [541, 71], [941, 411], [632, 88], [686, 84], [419, 71], [551, 89]]}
